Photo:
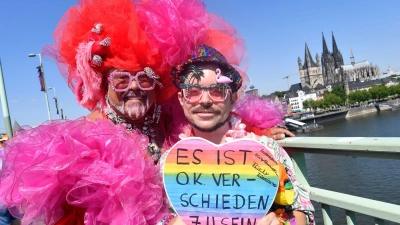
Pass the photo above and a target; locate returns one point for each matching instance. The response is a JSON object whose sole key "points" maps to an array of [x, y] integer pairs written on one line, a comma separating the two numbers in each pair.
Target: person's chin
{"points": [[135, 110]]}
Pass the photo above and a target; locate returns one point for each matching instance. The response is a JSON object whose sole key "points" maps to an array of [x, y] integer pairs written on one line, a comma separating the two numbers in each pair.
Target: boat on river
{"points": [[298, 126]]}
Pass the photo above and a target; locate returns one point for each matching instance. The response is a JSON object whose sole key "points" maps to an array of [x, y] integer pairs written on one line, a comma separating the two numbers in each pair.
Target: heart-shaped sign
{"points": [[233, 183]]}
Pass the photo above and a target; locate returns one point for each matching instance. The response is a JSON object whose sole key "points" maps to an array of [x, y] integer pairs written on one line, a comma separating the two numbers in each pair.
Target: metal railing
{"points": [[379, 147]]}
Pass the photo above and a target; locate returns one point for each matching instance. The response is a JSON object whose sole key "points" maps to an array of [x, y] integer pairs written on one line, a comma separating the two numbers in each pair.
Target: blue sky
{"points": [[275, 33]]}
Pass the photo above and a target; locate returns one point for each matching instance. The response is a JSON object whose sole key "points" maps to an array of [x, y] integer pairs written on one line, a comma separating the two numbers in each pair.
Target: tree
{"points": [[331, 99], [317, 104], [394, 90], [352, 96], [307, 103], [379, 92], [340, 92], [359, 96], [364, 96]]}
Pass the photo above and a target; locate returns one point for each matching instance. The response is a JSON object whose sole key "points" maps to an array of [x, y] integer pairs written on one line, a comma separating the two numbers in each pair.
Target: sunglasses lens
{"points": [[217, 94], [121, 81], [193, 93], [145, 81]]}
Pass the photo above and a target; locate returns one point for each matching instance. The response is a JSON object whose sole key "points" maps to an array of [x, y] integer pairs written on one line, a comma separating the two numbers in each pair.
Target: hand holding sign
{"points": [[210, 184]]}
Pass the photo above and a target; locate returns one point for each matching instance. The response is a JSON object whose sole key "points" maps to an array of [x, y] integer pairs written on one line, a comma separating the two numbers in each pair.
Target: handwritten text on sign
{"points": [[210, 184]]}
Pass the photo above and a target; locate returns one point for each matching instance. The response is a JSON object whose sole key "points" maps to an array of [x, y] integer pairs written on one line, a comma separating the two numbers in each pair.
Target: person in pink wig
{"points": [[98, 169]]}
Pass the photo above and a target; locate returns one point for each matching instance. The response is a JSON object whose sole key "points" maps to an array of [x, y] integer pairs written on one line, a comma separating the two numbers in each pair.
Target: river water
{"points": [[377, 179]]}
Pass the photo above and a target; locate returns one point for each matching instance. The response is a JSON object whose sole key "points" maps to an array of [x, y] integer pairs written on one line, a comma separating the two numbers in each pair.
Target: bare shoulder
{"points": [[93, 116]]}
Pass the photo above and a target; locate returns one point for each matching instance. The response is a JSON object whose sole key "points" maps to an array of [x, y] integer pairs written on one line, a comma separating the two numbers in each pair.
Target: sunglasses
{"points": [[121, 80], [217, 93]]}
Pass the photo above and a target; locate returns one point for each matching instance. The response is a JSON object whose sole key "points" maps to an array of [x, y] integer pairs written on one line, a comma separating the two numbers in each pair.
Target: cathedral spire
{"points": [[352, 57], [324, 46], [307, 55], [335, 48], [308, 61]]}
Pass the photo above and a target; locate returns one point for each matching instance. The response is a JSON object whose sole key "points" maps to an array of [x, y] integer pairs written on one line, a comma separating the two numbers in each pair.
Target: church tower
{"points": [[337, 56], [328, 64], [310, 72], [332, 62]]}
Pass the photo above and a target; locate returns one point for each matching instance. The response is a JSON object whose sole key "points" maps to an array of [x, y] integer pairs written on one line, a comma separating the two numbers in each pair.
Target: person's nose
{"points": [[205, 98], [134, 85]]}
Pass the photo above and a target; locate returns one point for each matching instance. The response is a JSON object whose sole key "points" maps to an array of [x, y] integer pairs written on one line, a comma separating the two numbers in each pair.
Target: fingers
{"points": [[280, 133], [278, 136], [288, 133]]}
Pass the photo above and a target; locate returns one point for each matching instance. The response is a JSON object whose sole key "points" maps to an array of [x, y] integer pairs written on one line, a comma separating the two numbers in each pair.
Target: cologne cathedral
{"points": [[331, 70]]}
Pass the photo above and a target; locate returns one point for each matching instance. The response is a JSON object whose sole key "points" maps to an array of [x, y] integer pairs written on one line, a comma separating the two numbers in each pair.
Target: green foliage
{"points": [[379, 92], [340, 92], [328, 101], [331, 99], [359, 96], [307, 104], [318, 104], [338, 96], [394, 90]]}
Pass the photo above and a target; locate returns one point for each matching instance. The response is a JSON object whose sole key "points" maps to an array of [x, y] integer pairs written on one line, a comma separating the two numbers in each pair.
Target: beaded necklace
{"points": [[147, 128]]}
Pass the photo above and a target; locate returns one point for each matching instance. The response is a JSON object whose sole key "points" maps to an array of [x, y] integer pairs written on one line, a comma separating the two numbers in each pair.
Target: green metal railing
{"points": [[387, 148]]}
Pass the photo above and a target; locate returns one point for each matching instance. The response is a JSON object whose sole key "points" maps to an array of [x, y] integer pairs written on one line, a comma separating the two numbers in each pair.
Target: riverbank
{"points": [[312, 118], [368, 109]]}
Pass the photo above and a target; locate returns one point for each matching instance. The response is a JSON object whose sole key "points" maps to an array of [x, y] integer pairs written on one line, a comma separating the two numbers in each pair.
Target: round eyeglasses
{"points": [[121, 80], [217, 93]]}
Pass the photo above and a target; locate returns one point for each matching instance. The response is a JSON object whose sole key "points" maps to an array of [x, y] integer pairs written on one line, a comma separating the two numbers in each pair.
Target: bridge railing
{"points": [[379, 147]]}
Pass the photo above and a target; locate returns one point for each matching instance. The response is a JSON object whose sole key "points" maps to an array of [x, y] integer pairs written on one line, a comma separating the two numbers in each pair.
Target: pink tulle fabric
{"points": [[93, 165], [177, 27], [261, 113], [174, 27]]}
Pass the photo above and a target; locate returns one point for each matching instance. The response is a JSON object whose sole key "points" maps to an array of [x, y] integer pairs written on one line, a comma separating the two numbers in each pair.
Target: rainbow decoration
{"points": [[210, 184]]}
